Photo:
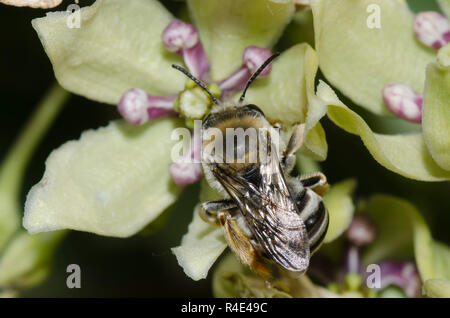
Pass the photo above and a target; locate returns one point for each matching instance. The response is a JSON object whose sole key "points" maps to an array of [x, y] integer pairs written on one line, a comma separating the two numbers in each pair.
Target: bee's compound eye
{"points": [[254, 108]]}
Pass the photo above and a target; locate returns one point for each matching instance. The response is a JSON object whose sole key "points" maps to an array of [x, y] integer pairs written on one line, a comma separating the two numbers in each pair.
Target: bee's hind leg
{"points": [[316, 182], [209, 210], [242, 245], [294, 144], [222, 213]]}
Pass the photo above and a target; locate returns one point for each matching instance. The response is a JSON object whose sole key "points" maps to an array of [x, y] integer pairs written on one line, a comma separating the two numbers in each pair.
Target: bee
{"points": [[268, 216]]}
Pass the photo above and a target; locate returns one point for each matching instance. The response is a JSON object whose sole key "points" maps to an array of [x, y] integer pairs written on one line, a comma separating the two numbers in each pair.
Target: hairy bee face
{"points": [[267, 214], [232, 137]]}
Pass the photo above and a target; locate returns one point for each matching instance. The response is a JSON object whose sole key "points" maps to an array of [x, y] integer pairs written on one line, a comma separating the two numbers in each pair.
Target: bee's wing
{"points": [[270, 213]]}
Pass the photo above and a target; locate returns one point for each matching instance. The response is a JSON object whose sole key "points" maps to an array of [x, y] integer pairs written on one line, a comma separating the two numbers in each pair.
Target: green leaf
{"points": [[117, 47], [200, 247], [360, 61], [445, 6], [112, 181], [438, 288], [227, 27], [27, 260], [436, 114], [340, 207], [406, 155], [402, 232]]}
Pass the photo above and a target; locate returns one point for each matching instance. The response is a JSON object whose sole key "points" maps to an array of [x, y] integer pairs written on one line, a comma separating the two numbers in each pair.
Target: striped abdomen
{"points": [[314, 214]]}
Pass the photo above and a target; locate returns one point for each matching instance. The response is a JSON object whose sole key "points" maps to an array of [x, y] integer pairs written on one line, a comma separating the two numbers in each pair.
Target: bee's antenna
{"points": [[192, 77], [255, 75]]}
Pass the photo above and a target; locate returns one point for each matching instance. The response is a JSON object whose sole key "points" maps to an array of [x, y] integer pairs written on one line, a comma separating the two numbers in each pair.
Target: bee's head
{"points": [[249, 114]]}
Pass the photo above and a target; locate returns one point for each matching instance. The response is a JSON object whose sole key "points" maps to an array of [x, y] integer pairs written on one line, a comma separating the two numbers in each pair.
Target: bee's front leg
{"points": [[316, 182], [294, 144], [209, 211]]}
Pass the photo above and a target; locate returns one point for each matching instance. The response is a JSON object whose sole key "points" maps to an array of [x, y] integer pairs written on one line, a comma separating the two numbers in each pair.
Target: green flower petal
{"points": [[406, 155], [315, 144], [306, 165], [27, 260], [315, 141], [228, 27], [399, 227], [112, 181], [117, 47], [401, 231], [203, 243], [445, 6], [200, 247], [340, 207], [438, 288], [284, 95], [359, 60], [441, 261], [443, 56], [436, 114]]}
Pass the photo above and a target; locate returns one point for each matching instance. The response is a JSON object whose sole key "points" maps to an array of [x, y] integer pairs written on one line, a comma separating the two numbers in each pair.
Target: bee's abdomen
{"points": [[314, 214]]}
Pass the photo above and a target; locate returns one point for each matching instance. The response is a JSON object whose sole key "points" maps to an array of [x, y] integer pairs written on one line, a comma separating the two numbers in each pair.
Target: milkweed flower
{"points": [[116, 179]]}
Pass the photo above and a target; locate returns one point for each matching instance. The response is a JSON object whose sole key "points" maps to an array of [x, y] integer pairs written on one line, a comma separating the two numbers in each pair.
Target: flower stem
{"points": [[13, 167], [14, 164]]}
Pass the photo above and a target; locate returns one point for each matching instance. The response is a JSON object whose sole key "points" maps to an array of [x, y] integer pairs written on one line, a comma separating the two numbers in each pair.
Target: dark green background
{"points": [[143, 266]]}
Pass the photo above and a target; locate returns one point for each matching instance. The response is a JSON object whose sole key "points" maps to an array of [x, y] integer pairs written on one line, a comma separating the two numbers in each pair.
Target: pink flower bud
{"points": [[361, 231], [179, 35], [253, 57], [196, 61], [432, 29], [185, 173], [235, 82], [403, 101], [188, 169], [137, 107], [182, 38]]}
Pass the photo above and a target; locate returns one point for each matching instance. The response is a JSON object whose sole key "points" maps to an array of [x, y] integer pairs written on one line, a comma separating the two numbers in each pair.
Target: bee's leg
{"points": [[316, 182], [209, 210], [294, 144], [242, 246]]}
